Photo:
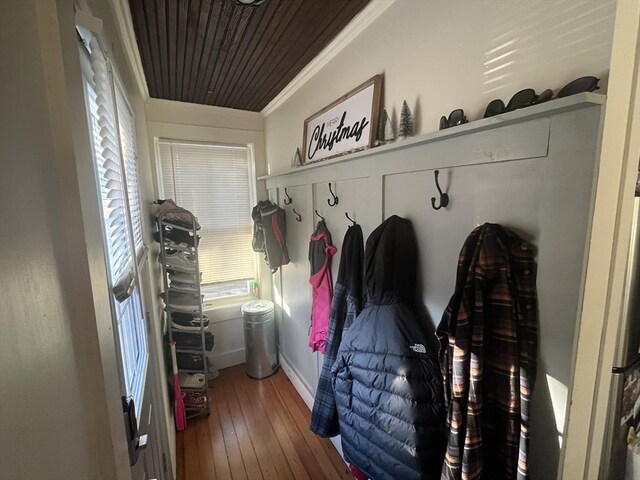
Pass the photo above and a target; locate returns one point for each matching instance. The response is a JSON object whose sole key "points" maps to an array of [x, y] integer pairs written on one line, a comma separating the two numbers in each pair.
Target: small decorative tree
{"points": [[385, 131], [406, 122], [388, 128], [297, 159], [380, 134]]}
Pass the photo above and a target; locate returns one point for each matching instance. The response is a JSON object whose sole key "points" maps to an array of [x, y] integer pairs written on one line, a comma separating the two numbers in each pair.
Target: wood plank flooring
{"points": [[258, 429]]}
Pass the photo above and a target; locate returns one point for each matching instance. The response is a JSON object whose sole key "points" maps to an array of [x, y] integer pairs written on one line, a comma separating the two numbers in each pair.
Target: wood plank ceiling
{"points": [[214, 52]]}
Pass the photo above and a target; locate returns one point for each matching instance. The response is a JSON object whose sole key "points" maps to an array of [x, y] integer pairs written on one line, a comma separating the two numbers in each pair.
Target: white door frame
{"points": [[606, 262]]}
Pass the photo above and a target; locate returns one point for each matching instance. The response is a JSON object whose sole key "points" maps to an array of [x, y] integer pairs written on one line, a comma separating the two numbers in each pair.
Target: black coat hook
{"points": [[288, 200], [298, 216], [335, 199], [321, 217], [444, 198], [353, 222]]}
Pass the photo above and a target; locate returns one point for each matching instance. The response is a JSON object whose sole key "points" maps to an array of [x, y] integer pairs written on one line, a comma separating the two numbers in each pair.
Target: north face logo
{"points": [[418, 348]]}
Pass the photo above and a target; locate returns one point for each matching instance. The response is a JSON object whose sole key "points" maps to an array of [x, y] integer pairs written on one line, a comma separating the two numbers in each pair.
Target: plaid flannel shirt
{"points": [[488, 342], [345, 307]]}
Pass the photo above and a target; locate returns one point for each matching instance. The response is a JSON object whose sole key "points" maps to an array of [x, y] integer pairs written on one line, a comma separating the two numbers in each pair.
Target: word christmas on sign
{"points": [[345, 125], [321, 141]]}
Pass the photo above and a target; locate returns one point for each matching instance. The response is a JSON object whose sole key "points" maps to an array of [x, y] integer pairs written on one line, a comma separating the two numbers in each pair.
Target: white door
{"points": [[112, 130], [135, 385]]}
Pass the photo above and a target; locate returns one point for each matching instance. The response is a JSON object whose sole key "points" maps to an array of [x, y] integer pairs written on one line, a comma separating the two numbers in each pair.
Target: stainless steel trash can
{"points": [[260, 338]]}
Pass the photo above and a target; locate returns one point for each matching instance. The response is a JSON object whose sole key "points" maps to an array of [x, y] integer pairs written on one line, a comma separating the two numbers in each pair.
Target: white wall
{"points": [[57, 416], [37, 352], [440, 55], [190, 121], [61, 414]]}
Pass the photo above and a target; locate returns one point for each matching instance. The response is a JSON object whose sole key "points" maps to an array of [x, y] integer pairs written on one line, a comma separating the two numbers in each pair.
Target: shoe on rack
{"points": [[183, 247], [179, 261], [190, 361], [193, 339], [184, 287], [177, 215], [188, 322], [183, 277], [176, 236], [169, 243], [185, 302], [194, 399], [191, 380]]}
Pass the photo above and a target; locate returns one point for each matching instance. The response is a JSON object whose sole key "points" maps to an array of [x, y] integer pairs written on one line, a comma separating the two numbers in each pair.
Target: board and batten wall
{"points": [[438, 55], [441, 55], [531, 170]]}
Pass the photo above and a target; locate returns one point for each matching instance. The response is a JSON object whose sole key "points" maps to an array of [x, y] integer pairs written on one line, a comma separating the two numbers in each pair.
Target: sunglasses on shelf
{"points": [[456, 117], [523, 98], [527, 97], [579, 85]]}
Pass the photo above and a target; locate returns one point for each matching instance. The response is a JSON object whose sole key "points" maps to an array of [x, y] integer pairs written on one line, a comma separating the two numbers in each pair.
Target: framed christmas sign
{"points": [[347, 125]]}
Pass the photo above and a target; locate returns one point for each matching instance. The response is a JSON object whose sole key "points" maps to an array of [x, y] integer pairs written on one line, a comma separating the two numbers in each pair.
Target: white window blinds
{"points": [[213, 181], [110, 171], [128, 141], [111, 127]]}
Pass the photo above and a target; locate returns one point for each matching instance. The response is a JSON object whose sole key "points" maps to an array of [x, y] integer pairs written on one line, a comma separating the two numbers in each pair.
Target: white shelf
{"points": [[552, 107]]}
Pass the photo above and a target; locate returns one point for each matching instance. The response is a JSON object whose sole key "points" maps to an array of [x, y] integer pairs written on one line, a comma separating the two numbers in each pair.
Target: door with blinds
{"points": [[112, 129], [216, 183]]}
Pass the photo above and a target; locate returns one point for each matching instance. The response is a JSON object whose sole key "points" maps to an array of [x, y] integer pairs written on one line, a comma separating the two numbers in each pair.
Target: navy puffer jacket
{"points": [[387, 381]]}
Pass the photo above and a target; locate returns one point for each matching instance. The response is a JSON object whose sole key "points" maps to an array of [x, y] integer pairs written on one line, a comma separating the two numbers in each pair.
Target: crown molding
{"points": [[351, 31], [129, 44]]}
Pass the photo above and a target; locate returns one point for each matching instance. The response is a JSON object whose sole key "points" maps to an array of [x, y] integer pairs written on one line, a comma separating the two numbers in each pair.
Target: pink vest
{"points": [[322, 285]]}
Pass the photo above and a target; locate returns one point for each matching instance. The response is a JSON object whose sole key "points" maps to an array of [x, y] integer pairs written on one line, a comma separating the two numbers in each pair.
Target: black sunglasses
{"points": [[579, 85], [523, 98], [456, 117], [528, 97]]}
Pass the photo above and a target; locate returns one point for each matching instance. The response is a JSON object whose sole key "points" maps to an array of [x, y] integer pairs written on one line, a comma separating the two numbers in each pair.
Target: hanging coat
{"points": [[387, 382], [320, 254], [270, 233], [488, 338], [345, 307]]}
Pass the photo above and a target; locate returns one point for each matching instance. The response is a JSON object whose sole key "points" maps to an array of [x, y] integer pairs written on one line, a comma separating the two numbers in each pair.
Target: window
{"points": [[111, 125], [127, 137], [215, 182]]}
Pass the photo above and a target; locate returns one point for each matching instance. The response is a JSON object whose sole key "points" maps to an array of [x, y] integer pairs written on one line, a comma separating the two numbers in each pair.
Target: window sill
{"points": [[224, 309]]}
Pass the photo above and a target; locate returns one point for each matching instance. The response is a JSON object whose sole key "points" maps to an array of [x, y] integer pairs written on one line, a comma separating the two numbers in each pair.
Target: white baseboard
{"points": [[306, 395], [299, 384], [229, 359]]}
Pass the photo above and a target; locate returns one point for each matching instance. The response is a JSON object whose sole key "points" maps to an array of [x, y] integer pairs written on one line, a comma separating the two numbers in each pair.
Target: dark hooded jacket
{"points": [[387, 381]]}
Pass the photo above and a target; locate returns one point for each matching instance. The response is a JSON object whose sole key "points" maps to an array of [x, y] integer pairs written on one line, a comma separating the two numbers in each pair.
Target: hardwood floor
{"points": [[258, 429]]}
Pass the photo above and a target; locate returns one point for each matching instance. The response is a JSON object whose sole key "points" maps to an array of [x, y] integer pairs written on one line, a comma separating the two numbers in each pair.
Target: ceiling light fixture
{"points": [[248, 3]]}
